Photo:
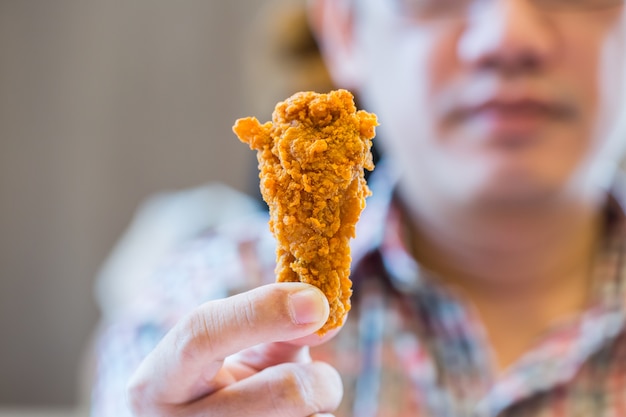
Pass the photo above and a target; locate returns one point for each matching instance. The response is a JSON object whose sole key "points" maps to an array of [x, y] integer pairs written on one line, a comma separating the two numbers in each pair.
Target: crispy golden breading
{"points": [[312, 158]]}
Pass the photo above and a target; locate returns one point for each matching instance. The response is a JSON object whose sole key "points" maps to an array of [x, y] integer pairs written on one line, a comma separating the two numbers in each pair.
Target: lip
{"points": [[492, 108], [511, 120]]}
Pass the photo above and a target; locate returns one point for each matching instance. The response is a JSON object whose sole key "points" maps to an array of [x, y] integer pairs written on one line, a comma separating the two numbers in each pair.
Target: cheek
{"points": [[612, 92], [443, 65], [593, 62], [594, 65], [403, 81]]}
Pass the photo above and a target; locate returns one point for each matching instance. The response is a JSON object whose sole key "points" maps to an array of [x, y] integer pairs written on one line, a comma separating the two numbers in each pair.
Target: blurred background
{"points": [[102, 104]]}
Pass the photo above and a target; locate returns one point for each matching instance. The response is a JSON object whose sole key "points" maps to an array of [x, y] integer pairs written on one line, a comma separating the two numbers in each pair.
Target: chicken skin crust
{"points": [[312, 157]]}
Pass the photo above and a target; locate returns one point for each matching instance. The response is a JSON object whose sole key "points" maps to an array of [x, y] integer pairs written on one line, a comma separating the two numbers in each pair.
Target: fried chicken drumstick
{"points": [[312, 157]]}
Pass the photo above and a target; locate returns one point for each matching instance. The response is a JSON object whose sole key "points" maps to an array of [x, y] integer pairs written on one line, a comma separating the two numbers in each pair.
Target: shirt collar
{"points": [[380, 232]]}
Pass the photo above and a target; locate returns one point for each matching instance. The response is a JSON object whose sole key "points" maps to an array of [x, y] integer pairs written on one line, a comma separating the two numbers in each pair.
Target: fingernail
{"points": [[307, 306]]}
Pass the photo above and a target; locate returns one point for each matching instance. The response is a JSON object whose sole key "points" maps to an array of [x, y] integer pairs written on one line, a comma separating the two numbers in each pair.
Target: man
{"points": [[493, 284]]}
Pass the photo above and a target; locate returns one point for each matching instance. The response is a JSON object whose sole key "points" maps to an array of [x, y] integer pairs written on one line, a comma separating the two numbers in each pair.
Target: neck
{"points": [[530, 261], [507, 247]]}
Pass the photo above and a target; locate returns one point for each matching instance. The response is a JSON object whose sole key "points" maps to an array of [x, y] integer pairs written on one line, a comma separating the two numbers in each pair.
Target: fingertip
{"points": [[308, 306]]}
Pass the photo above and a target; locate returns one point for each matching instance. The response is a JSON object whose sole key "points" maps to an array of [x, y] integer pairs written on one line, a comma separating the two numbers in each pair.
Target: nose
{"points": [[509, 36]]}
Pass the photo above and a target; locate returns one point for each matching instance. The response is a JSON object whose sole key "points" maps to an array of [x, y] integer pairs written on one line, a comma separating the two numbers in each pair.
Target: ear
{"points": [[332, 22]]}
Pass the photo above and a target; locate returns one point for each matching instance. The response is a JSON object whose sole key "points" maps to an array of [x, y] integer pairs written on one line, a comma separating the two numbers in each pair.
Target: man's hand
{"points": [[246, 355]]}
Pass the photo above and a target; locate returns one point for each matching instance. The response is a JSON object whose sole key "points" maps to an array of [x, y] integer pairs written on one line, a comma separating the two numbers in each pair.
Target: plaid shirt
{"points": [[409, 347]]}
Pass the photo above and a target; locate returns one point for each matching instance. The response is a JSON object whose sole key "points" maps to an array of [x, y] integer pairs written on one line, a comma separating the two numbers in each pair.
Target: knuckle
{"points": [[204, 330], [246, 312], [294, 390], [330, 381], [136, 396], [196, 335], [297, 386], [200, 325], [141, 403]]}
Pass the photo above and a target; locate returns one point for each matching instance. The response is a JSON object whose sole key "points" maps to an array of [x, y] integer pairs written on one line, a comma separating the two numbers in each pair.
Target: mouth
{"points": [[521, 118], [509, 116]]}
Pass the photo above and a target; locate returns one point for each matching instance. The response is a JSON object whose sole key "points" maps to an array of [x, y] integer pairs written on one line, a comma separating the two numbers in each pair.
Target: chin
{"points": [[528, 175], [516, 195], [520, 188]]}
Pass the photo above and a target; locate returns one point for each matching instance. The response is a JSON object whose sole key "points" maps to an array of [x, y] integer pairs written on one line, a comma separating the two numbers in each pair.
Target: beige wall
{"points": [[102, 102]]}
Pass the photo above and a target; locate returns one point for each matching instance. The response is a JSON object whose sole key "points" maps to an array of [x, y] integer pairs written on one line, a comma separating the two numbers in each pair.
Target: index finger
{"points": [[190, 355]]}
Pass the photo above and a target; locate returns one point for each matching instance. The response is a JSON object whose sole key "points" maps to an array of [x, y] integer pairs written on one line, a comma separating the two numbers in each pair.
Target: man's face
{"points": [[505, 103]]}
